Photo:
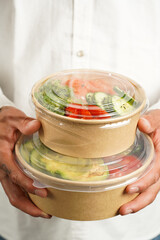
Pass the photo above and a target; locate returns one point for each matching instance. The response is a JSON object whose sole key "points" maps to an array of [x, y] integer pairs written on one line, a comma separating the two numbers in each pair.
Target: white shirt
{"points": [[40, 37]]}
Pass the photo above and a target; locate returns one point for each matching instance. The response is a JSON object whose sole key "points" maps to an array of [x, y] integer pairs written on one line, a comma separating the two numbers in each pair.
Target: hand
{"points": [[13, 122], [148, 186]]}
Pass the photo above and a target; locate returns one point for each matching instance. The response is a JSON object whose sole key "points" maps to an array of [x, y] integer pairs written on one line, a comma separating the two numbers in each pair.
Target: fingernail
{"points": [[128, 211], [146, 123], [45, 215], [40, 193], [133, 190], [31, 123]]}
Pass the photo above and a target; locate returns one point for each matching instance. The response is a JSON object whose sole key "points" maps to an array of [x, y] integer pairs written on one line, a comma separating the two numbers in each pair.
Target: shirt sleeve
{"points": [[4, 101]]}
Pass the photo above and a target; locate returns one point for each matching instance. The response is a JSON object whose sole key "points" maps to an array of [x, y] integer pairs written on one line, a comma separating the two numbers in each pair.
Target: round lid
{"points": [[84, 174], [89, 94]]}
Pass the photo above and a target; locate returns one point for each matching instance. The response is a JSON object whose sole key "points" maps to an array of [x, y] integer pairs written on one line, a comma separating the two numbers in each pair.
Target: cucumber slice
{"points": [[99, 98], [56, 100], [54, 107], [124, 95], [89, 98], [121, 106], [48, 103], [60, 90], [104, 101], [108, 105]]}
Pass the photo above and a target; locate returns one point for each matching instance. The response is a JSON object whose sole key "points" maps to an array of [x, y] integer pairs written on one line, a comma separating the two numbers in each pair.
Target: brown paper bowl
{"points": [[83, 201], [87, 138]]}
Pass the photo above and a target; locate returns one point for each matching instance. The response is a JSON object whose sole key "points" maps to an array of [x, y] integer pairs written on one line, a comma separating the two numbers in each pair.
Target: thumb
{"points": [[149, 122], [19, 120], [29, 126]]}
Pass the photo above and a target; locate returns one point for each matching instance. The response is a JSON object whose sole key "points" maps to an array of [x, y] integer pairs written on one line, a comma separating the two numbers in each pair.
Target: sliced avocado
{"points": [[37, 161], [58, 174], [76, 169], [25, 150]]}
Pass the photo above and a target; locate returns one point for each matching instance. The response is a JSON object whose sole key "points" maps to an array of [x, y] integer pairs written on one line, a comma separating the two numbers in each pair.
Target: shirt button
{"points": [[80, 53]]}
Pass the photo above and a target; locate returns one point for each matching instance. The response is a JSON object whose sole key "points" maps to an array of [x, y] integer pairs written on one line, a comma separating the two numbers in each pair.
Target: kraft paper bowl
{"points": [[85, 137], [87, 200]]}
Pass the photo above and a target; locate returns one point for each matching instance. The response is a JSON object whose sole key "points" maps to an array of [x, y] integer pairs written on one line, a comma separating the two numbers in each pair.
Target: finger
{"points": [[149, 122], [156, 141], [8, 136], [151, 177], [9, 166], [18, 199], [141, 201], [27, 125], [18, 120]]}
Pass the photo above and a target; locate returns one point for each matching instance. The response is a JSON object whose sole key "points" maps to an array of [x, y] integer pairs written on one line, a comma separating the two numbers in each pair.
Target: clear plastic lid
{"points": [[89, 94], [109, 172]]}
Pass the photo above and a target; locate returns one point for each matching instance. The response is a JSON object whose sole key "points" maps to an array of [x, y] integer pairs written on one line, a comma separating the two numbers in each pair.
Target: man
{"points": [[40, 37]]}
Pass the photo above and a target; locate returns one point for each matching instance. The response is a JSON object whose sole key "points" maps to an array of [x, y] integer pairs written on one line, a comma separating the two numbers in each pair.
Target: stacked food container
{"points": [[88, 148]]}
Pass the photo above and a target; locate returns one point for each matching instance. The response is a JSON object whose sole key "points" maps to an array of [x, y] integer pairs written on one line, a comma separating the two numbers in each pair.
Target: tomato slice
{"points": [[97, 112], [73, 110], [115, 171], [86, 114], [130, 164], [127, 165], [78, 111]]}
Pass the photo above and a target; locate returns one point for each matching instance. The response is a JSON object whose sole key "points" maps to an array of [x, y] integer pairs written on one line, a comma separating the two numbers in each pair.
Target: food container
{"points": [[80, 188], [87, 113]]}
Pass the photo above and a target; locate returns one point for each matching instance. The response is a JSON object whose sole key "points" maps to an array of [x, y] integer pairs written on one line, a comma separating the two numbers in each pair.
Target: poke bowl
{"points": [[88, 113], [83, 188]]}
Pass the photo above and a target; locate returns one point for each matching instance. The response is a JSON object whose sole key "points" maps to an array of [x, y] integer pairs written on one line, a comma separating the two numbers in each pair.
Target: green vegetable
{"points": [[57, 165], [104, 101], [124, 95], [37, 161], [89, 98], [76, 169], [48, 103], [60, 90], [108, 105], [25, 149], [121, 106], [54, 98], [99, 98]]}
